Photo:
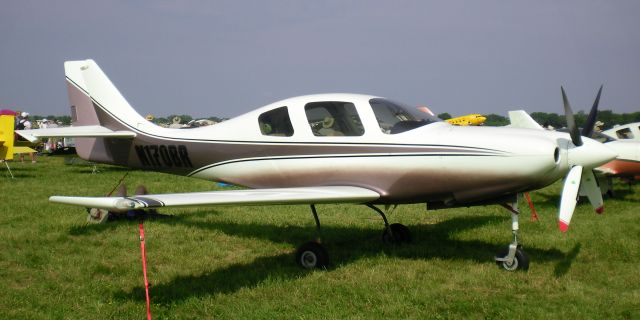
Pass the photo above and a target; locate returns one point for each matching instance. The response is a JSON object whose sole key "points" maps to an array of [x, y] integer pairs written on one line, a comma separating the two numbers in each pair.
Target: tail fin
{"points": [[95, 100], [98, 106], [521, 119]]}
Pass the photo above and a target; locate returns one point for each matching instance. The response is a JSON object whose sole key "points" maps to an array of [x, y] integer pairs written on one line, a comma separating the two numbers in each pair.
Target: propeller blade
{"points": [[569, 197], [589, 187], [587, 130], [571, 121]]}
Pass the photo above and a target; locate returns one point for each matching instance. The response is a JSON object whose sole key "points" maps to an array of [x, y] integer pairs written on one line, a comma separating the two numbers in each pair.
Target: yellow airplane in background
{"points": [[468, 120], [8, 145], [6, 134]]}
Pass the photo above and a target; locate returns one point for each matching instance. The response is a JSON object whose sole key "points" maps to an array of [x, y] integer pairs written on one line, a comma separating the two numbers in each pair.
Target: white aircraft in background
{"points": [[328, 148], [630, 131]]}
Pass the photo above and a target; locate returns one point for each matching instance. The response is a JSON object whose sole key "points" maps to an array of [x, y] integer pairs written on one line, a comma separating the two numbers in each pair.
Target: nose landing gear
{"points": [[513, 258]]}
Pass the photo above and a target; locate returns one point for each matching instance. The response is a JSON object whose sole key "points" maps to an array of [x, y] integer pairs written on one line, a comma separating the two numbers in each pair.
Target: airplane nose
{"points": [[590, 155]]}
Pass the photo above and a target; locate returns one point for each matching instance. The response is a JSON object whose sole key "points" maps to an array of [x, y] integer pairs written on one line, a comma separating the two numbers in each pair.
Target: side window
{"points": [[624, 133], [276, 123], [333, 118]]}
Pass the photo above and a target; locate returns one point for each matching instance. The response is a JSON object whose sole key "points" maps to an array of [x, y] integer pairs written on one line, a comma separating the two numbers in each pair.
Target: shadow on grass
{"points": [[565, 264], [345, 245], [88, 168], [113, 223], [19, 170]]}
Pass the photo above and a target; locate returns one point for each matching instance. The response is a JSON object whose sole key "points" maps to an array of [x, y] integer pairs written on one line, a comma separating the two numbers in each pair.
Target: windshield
{"points": [[394, 117], [601, 137]]}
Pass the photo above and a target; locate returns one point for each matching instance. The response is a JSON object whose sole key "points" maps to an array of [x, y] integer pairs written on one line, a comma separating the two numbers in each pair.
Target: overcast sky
{"points": [[224, 58]]}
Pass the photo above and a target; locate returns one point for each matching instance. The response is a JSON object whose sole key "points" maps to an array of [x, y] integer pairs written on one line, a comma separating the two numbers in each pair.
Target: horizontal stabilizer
{"points": [[74, 132], [304, 195], [521, 119]]}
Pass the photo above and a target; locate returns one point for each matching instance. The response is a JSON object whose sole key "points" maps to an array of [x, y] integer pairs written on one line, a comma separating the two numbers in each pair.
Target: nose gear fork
{"points": [[512, 257]]}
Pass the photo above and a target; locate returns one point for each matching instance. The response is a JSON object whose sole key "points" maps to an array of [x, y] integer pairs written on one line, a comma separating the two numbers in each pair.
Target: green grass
{"points": [[237, 262]]}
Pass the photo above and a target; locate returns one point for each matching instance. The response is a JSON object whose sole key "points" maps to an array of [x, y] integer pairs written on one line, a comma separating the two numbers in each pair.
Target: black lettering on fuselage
{"points": [[152, 152], [142, 156], [184, 156], [173, 153], [163, 156]]}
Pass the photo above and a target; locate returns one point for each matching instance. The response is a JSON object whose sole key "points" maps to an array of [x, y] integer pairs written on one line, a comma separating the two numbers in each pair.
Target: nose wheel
{"points": [[512, 261], [512, 257]]}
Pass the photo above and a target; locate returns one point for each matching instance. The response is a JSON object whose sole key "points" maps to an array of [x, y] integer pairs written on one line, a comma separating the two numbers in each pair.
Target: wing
{"points": [[74, 132], [304, 195]]}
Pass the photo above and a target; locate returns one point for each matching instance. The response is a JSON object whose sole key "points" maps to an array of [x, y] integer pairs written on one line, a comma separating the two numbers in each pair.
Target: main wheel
{"points": [[520, 261], [312, 255], [396, 234]]}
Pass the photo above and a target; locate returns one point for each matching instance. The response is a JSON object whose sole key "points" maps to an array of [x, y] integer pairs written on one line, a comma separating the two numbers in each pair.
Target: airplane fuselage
{"points": [[434, 162]]}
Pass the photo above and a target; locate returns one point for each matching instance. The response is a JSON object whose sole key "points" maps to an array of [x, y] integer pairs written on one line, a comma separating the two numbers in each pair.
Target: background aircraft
{"points": [[7, 122], [8, 145], [329, 148], [468, 120], [629, 131]]}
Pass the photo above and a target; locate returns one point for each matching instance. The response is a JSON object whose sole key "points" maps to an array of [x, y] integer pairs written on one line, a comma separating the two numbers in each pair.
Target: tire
{"points": [[312, 255], [520, 261], [396, 234]]}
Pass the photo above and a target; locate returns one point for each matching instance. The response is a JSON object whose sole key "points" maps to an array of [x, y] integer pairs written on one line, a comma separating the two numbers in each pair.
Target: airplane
{"points": [[628, 135], [7, 122], [630, 131], [626, 165], [468, 120], [328, 148], [8, 145]]}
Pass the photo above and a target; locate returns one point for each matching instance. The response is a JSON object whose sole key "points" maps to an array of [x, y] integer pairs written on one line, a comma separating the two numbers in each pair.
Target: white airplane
{"points": [[630, 131], [328, 148]]}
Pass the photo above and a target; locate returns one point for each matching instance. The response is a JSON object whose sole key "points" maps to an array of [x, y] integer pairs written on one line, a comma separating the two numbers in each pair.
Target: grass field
{"points": [[237, 262]]}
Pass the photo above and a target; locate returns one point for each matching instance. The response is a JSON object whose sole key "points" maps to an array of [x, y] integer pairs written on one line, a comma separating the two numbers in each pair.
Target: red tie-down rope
{"points": [[144, 269], [534, 214]]}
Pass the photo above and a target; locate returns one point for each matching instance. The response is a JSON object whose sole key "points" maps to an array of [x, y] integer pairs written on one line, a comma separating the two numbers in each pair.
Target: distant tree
{"points": [[444, 116], [496, 120], [581, 118], [548, 119], [66, 120]]}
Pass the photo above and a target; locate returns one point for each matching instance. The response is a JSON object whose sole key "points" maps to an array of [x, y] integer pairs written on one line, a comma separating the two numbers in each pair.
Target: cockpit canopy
{"points": [[394, 117], [341, 117]]}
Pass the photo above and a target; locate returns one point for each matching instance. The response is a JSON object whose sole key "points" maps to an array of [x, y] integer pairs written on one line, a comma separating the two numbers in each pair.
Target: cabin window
{"points": [[395, 118], [624, 133], [333, 118], [276, 123]]}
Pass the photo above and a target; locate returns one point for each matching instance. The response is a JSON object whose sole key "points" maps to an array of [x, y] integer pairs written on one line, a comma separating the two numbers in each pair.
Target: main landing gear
{"points": [[313, 255], [512, 257]]}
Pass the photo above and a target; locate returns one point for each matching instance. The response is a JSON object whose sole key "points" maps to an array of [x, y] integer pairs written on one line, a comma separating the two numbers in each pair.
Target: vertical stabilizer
{"points": [[94, 100]]}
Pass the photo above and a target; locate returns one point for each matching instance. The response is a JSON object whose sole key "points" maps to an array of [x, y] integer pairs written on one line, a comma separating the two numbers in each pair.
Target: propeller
{"points": [[571, 121], [587, 130], [582, 159]]}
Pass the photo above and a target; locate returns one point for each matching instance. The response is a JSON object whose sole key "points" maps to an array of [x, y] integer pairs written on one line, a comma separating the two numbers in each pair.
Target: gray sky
{"points": [[224, 58]]}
